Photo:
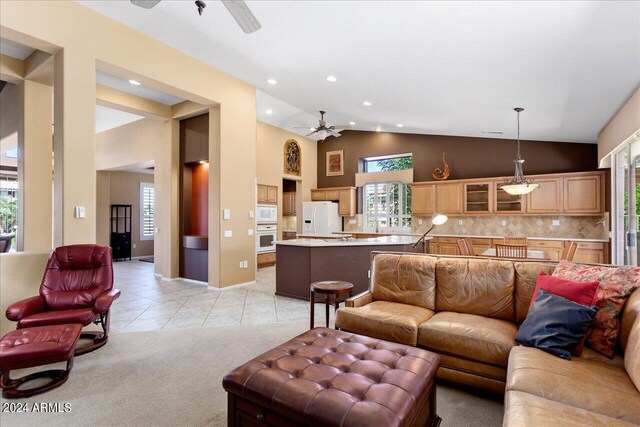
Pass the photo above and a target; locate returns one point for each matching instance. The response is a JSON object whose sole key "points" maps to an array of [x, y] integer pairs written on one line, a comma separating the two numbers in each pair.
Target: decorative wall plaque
{"points": [[292, 158]]}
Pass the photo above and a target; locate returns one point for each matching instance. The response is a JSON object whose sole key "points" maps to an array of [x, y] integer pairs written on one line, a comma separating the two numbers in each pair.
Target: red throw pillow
{"points": [[616, 284], [585, 293]]}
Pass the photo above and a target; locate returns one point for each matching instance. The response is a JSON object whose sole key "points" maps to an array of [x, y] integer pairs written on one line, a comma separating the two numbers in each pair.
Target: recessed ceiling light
{"points": [[269, 111], [352, 123], [331, 78], [400, 125], [367, 104], [272, 81], [135, 82], [378, 129]]}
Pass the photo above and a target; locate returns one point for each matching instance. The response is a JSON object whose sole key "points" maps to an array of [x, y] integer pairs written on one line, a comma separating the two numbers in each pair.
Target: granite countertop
{"points": [[529, 237], [324, 235], [373, 241], [356, 233]]}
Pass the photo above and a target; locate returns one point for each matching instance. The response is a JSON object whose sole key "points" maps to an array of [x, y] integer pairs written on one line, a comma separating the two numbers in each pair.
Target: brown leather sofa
{"points": [[468, 310]]}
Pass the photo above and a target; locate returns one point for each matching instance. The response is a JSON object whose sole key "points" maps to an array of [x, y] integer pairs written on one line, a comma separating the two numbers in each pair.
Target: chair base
{"points": [[10, 387], [98, 339]]}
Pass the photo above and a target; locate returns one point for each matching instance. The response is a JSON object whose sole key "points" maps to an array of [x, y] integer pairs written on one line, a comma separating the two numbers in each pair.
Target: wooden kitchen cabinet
{"points": [[289, 235], [583, 194], [267, 194], [448, 246], [347, 202], [547, 198], [288, 204], [477, 198], [591, 252], [423, 200], [480, 245], [345, 196], [551, 248], [449, 199], [506, 203]]}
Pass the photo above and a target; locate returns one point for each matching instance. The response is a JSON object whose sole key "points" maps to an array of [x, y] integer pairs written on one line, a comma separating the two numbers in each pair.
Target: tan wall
{"points": [[10, 114], [20, 277], [270, 166], [88, 41], [128, 145], [621, 126], [121, 188]]}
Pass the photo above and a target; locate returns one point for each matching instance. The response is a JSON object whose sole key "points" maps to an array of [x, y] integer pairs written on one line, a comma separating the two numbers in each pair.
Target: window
{"points": [[388, 163], [146, 211], [387, 207]]}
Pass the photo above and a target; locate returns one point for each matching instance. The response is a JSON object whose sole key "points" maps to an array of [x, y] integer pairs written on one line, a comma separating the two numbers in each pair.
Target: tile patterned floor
{"points": [[148, 303]]}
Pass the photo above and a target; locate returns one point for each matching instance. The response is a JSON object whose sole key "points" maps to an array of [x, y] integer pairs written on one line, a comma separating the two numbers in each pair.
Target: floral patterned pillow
{"points": [[616, 284]]}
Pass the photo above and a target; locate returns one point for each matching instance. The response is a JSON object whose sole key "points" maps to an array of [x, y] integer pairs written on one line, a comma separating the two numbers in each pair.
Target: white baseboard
{"points": [[239, 285]]}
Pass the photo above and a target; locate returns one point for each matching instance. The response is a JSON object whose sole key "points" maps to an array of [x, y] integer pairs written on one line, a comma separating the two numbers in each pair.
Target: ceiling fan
{"points": [[237, 8], [323, 130]]}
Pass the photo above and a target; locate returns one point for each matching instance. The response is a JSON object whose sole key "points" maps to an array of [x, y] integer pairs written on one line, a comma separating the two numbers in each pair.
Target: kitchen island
{"points": [[301, 262]]}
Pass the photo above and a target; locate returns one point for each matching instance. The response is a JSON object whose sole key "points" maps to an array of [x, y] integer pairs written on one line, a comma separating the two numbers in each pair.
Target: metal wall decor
{"points": [[292, 158], [439, 174]]}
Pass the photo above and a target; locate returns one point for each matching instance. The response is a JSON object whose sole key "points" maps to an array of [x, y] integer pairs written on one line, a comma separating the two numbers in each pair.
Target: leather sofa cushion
{"points": [[524, 410], [476, 368], [592, 386], [83, 316], [407, 279], [469, 336], [526, 277], [390, 321], [25, 348], [594, 356], [632, 355], [483, 287]]}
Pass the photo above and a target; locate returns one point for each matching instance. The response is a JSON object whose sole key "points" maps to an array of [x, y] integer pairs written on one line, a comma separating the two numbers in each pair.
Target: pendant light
{"points": [[519, 185]]}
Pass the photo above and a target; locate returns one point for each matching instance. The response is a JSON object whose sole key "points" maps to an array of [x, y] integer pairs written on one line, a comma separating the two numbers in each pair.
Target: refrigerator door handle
{"points": [[313, 219]]}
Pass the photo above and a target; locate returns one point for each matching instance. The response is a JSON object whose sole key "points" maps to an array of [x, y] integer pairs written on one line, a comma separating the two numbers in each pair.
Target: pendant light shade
{"points": [[519, 185]]}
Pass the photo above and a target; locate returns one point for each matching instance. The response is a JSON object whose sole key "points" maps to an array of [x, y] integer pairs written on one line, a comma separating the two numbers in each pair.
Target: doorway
{"points": [[626, 203]]}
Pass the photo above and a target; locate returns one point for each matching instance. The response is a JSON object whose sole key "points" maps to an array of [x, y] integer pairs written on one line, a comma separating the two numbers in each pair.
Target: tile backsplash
{"points": [[577, 227]]}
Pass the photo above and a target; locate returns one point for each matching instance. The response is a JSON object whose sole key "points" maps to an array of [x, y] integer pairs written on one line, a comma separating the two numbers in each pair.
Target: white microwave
{"points": [[267, 214]]}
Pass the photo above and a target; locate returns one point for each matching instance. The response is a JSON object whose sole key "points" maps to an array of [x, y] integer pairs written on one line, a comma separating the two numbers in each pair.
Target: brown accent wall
{"points": [[467, 157], [200, 200]]}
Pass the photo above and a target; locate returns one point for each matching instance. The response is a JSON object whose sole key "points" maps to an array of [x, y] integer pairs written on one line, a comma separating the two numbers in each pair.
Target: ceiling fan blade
{"points": [[146, 4], [341, 127], [311, 133], [335, 134], [243, 15]]}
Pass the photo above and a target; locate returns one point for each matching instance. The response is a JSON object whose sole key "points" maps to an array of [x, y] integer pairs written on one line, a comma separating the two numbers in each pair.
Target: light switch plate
{"points": [[251, 215], [228, 233], [250, 232], [226, 214], [80, 212]]}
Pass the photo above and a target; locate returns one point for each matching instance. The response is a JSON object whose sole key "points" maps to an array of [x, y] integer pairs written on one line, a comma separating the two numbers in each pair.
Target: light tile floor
{"points": [[148, 303]]}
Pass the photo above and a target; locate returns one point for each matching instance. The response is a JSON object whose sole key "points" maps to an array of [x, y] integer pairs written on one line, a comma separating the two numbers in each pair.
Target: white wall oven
{"points": [[266, 236], [267, 214]]}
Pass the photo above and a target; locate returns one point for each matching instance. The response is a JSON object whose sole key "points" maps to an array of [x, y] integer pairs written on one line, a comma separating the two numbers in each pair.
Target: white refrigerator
{"points": [[320, 218]]}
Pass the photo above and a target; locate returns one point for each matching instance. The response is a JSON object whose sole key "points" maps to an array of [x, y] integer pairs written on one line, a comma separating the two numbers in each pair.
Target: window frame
{"points": [[143, 187], [400, 216]]}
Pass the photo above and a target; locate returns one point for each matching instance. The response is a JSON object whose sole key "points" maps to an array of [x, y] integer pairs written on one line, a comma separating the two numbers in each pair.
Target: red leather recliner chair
{"points": [[77, 287]]}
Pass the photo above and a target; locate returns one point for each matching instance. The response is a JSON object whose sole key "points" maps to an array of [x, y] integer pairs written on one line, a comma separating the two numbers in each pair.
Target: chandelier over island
{"points": [[519, 185]]}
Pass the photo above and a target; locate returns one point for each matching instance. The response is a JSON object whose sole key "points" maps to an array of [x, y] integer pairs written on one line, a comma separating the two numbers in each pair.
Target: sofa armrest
{"points": [[104, 301], [359, 300], [24, 308]]}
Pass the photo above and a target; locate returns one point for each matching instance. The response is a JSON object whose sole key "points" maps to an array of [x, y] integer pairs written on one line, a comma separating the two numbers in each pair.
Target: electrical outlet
{"points": [[460, 222], [352, 221], [504, 222], [555, 222], [134, 246], [420, 221], [250, 232], [228, 233]]}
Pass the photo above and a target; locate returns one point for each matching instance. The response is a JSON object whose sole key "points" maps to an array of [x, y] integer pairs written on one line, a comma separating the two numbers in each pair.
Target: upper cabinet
{"points": [[582, 194], [423, 199], [547, 198], [449, 199], [267, 194], [345, 196], [289, 203], [559, 194]]}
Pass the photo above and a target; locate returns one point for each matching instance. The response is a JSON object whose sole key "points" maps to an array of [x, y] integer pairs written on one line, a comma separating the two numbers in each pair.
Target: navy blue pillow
{"points": [[555, 325]]}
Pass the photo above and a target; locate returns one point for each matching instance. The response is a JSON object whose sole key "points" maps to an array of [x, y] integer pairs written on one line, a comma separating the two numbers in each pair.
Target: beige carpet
{"points": [[173, 377]]}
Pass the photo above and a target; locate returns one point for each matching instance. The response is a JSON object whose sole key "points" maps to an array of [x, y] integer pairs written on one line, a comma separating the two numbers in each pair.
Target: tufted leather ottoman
{"points": [[326, 377], [29, 347]]}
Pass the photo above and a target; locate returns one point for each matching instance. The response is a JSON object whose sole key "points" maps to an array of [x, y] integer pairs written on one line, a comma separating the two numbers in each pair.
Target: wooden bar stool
{"points": [[328, 288]]}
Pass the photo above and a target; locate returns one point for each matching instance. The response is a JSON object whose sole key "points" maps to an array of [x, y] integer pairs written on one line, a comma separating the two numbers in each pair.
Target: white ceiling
{"points": [[109, 118], [15, 50], [453, 68], [142, 91]]}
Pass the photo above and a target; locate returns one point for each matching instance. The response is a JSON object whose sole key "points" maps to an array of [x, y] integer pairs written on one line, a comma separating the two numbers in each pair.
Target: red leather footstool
{"points": [[29, 347], [326, 377]]}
